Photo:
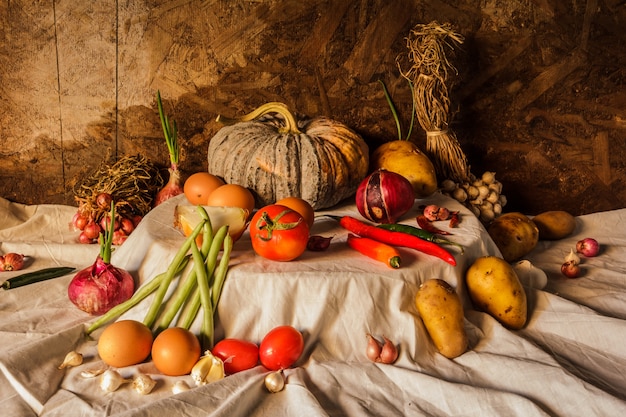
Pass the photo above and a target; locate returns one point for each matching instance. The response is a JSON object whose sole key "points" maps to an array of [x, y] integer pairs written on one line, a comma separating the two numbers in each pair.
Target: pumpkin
{"points": [[317, 159]]}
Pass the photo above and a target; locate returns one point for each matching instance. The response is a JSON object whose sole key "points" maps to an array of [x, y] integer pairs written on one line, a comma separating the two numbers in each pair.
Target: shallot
{"points": [[589, 247], [570, 269], [376, 351], [101, 286], [11, 262], [173, 186]]}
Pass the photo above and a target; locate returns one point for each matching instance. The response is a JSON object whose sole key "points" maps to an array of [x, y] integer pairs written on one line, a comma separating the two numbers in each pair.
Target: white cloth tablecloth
{"points": [[569, 360]]}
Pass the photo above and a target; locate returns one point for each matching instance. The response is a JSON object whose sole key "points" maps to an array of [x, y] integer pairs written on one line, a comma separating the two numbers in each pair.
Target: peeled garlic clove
{"points": [[73, 358], [180, 386], [111, 380], [529, 275], [275, 381], [143, 384]]}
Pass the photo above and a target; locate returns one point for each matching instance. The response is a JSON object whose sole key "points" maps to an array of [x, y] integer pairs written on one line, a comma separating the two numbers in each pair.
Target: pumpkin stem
{"points": [[291, 126]]}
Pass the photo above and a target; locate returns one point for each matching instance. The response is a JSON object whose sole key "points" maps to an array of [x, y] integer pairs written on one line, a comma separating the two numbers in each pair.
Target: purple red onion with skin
{"points": [[101, 286], [384, 196]]}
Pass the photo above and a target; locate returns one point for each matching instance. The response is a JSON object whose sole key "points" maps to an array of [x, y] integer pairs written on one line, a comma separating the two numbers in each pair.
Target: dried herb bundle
{"points": [[132, 181], [429, 73]]}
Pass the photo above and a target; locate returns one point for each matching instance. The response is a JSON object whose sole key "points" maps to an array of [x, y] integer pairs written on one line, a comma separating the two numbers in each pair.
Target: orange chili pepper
{"points": [[376, 250]]}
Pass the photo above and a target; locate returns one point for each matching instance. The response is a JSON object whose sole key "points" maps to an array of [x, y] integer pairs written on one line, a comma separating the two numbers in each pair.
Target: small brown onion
{"points": [[103, 200], [384, 196]]}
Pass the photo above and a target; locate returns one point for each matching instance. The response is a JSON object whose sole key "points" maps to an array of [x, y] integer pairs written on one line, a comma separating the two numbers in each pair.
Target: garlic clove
{"points": [[73, 358], [572, 257], [92, 373], [111, 380], [209, 368], [275, 381], [180, 386], [143, 384]]}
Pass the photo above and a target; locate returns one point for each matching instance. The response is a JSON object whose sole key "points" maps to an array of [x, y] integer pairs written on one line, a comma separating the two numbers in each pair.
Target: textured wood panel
{"points": [[539, 96]]}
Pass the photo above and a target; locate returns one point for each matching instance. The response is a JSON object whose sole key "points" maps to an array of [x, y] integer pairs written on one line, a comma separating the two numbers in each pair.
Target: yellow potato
{"points": [[555, 224], [514, 234], [441, 310], [495, 288]]}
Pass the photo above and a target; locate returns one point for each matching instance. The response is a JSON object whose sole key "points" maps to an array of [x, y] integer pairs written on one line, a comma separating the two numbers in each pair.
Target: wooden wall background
{"points": [[539, 97]]}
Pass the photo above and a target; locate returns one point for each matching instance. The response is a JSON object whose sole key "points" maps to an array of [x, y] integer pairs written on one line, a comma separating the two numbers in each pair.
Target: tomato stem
{"points": [[265, 222]]}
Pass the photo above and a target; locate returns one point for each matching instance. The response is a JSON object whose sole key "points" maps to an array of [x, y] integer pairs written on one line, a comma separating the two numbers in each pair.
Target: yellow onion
{"points": [[384, 196]]}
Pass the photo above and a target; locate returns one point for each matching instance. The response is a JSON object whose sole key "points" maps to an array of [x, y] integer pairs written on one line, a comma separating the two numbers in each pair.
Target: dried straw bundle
{"points": [[428, 72], [132, 181]]}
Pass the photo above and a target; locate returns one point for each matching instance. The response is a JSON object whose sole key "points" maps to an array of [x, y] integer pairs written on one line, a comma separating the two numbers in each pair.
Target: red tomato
{"points": [[237, 355], [278, 233], [281, 348]]}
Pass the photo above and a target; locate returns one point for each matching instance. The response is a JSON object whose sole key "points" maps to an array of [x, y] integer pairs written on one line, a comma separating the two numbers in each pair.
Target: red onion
{"points": [[11, 262], [384, 196], [101, 286], [588, 247]]}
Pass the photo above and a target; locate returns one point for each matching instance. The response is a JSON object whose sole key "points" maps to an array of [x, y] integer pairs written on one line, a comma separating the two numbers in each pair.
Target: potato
{"points": [[495, 288], [514, 234], [441, 310], [554, 225]]}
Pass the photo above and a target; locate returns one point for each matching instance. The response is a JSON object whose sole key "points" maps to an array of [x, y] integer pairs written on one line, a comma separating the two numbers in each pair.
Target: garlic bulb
{"points": [[483, 196]]}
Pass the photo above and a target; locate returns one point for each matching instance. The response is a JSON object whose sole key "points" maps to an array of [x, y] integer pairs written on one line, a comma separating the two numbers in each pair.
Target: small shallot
{"points": [[11, 262], [570, 269], [376, 351], [588, 246]]}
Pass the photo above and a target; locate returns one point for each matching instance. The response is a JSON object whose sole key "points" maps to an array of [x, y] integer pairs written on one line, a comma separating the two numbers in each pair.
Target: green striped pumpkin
{"points": [[319, 160]]}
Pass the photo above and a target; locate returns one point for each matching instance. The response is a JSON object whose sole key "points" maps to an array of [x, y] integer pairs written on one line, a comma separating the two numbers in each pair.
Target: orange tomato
{"points": [[232, 195], [125, 343], [301, 206], [199, 186], [175, 351]]}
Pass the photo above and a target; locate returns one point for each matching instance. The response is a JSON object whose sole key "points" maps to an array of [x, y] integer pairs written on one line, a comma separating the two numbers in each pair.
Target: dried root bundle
{"points": [[429, 74], [132, 182]]}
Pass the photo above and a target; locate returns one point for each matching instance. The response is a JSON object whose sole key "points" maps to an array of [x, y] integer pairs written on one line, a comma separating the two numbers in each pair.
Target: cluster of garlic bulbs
{"points": [[483, 196]]}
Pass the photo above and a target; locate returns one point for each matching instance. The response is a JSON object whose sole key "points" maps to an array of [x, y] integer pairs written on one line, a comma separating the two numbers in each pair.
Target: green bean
{"points": [[152, 313], [206, 332], [185, 289], [220, 272]]}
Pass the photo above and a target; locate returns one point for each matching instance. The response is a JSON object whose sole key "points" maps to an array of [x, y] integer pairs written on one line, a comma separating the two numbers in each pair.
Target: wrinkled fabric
{"points": [[567, 361]]}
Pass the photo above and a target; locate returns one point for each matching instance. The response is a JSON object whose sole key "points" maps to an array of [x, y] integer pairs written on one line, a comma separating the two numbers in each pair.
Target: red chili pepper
{"points": [[425, 224], [395, 238], [455, 219], [376, 250]]}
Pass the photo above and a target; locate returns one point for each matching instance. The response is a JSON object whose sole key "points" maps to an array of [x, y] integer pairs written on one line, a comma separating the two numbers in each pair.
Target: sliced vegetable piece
{"points": [[36, 276]]}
